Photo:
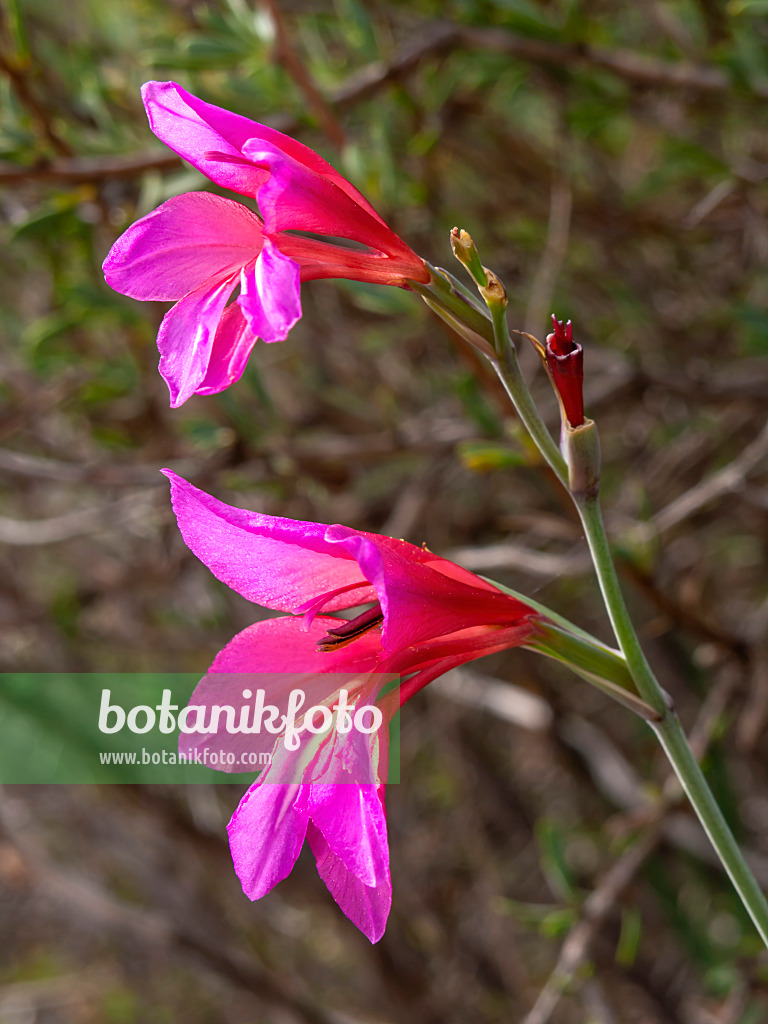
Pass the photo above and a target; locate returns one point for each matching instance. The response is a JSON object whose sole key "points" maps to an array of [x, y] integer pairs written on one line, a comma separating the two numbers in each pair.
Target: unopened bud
{"points": [[565, 362], [465, 251], [494, 292]]}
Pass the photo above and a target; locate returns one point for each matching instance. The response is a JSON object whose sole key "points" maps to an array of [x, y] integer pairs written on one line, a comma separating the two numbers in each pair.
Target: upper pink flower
{"points": [[196, 248], [425, 616]]}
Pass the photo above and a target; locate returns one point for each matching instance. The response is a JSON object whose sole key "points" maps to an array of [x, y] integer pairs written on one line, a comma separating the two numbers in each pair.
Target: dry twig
{"points": [[86, 901]]}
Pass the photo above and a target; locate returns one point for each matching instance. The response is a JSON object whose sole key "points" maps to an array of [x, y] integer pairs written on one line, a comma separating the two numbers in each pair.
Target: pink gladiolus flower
{"points": [[426, 616], [197, 248]]}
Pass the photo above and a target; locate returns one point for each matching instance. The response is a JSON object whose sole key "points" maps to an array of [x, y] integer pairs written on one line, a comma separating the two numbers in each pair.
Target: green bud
{"points": [[465, 251]]}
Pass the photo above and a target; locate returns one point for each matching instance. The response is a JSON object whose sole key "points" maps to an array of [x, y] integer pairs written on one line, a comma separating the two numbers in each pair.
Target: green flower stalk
{"points": [[625, 675]]}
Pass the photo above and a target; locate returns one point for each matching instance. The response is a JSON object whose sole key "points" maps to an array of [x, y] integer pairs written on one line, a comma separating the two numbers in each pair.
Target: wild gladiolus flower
{"points": [[425, 615], [197, 248]]}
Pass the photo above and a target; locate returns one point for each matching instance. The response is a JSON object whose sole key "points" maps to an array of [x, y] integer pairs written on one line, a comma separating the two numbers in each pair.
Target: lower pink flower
{"points": [[424, 616]]}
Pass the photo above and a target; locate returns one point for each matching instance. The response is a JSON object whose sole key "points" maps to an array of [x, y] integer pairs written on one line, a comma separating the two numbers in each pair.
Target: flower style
{"points": [[426, 615], [196, 248]]}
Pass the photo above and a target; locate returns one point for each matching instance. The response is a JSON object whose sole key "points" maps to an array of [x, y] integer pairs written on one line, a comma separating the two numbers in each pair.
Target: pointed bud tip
{"points": [[465, 251], [461, 239]]}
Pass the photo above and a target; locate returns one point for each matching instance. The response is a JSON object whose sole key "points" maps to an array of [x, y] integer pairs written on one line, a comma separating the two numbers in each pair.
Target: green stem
{"points": [[508, 371], [600, 666], [446, 297], [678, 750], [668, 728], [624, 631], [449, 302]]}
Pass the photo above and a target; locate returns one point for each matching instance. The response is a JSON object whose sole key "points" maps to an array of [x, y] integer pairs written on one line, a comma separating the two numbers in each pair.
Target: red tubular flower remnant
{"points": [[565, 362]]}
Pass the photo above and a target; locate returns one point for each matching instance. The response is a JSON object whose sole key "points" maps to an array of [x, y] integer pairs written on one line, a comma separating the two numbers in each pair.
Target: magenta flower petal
{"points": [[296, 197], [266, 834], [193, 128], [286, 646], [419, 602], [354, 825], [270, 294], [278, 563], [319, 259], [279, 655], [185, 339], [232, 345], [366, 907], [181, 245]]}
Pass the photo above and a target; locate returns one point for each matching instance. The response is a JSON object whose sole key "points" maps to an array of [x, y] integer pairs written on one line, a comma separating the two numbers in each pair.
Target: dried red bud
{"points": [[565, 361]]}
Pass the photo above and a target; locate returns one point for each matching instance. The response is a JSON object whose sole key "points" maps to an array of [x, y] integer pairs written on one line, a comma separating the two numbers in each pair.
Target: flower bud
{"points": [[465, 251], [565, 362]]}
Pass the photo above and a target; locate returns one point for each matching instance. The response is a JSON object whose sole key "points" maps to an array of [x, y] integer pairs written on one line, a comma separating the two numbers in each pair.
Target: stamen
{"points": [[352, 630]]}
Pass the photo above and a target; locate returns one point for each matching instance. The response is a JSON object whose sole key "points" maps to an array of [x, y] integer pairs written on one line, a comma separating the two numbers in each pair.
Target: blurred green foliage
{"points": [[610, 161]]}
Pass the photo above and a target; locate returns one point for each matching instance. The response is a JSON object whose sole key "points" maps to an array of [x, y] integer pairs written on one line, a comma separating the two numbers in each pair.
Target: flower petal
{"points": [[266, 834], [354, 825], [180, 245], [193, 129], [298, 198], [269, 294], [232, 345], [319, 259], [185, 339], [419, 602], [286, 646], [434, 659], [278, 563], [278, 656], [366, 907]]}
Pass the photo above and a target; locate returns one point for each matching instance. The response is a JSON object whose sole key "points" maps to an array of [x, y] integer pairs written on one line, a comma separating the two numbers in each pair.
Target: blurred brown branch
{"points": [[88, 903], [26, 533], [285, 54], [729, 480], [85, 169], [597, 906], [17, 73], [432, 39]]}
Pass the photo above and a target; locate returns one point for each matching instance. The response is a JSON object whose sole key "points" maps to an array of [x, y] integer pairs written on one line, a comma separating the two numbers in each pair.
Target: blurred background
{"points": [[610, 161]]}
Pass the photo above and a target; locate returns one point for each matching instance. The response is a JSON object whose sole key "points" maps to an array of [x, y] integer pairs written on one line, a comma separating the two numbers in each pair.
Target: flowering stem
{"points": [[457, 308], [667, 728], [507, 368], [602, 666], [578, 471], [446, 297], [599, 665]]}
